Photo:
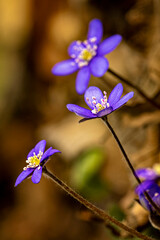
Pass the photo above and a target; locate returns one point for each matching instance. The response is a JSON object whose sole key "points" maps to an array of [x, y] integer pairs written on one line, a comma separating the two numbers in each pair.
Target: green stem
{"points": [[97, 211], [129, 163]]}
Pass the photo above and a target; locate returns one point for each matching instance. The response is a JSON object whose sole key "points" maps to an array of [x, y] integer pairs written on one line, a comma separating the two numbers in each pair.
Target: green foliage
{"points": [[85, 175]]}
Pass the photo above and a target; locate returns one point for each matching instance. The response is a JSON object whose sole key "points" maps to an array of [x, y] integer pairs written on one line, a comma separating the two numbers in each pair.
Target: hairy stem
{"points": [[129, 163], [97, 211], [135, 87]]}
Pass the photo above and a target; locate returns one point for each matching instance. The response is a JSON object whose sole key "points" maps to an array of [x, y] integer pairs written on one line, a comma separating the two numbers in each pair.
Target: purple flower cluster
{"points": [[150, 178], [36, 159], [88, 56], [99, 104]]}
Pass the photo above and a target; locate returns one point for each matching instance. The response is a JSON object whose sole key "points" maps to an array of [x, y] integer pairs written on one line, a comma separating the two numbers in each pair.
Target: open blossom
{"points": [[35, 162], [150, 177], [99, 103], [88, 56]]}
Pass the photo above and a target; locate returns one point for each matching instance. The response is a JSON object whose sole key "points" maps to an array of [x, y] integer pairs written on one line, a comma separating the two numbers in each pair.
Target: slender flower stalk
{"points": [[97, 211], [129, 164], [133, 86]]}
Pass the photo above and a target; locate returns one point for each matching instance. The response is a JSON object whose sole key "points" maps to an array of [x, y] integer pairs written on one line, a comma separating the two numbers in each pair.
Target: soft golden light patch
{"points": [[156, 167]]}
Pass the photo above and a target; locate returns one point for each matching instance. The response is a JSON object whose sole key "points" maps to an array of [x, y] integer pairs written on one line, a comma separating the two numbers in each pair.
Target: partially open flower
{"points": [[35, 162], [88, 56], [150, 177], [98, 102]]}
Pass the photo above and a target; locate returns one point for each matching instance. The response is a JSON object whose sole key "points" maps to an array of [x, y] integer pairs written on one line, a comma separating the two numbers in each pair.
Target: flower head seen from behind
{"points": [[88, 56], [36, 159], [150, 178], [98, 102]]}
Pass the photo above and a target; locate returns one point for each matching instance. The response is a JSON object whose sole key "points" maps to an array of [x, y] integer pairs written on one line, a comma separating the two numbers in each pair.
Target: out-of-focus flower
{"points": [[99, 104], [88, 56], [36, 160], [150, 177]]}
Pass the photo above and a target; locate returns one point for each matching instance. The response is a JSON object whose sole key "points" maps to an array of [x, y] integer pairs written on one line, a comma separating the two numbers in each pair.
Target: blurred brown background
{"points": [[34, 35]]}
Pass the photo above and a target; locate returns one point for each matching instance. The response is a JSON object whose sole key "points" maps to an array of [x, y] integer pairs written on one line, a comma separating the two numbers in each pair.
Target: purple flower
{"points": [[36, 160], [153, 191], [88, 56], [99, 104], [150, 177]]}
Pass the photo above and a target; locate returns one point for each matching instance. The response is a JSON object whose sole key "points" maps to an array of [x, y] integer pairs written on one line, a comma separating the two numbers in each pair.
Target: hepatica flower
{"points": [[99, 104], [88, 56], [150, 177], [36, 159]]}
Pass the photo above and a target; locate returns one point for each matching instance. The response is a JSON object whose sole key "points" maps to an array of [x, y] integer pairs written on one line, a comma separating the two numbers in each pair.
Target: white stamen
{"points": [[94, 102], [100, 105], [73, 56], [82, 64], [92, 40], [78, 42], [77, 60]]}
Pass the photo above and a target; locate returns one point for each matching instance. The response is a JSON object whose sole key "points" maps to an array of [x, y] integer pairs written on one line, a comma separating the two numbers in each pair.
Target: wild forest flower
{"points": [[88, 56], [99, 104], [150, 177], [36, 159]]}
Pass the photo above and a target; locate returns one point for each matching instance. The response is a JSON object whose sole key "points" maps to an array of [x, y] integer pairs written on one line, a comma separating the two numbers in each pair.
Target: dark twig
{"points": [[133, 86], [129, 163], [97, 211]]}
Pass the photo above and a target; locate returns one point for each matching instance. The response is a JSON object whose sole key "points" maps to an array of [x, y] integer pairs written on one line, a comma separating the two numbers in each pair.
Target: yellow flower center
{"points": [[86, 55], [34, 161], [100, 107]]}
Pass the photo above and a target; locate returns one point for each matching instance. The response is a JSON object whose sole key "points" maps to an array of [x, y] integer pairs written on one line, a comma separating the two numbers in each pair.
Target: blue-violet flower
{"points": [[150, 177], [88, 56], [99, 104], [36, 159]]}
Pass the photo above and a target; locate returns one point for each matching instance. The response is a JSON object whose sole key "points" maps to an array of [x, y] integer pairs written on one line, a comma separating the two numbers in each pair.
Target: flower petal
{"points": [[36, 177], [40, 147], [115, 95], [109, 44], [49, 152], [65, 67], [152, 189], [98, 66], [82, 80], [144, 202], [149, 185], [31, 153], [123, 100], [156, 198], [146, 173], [80, 111], [93, 92], [75, 49], [95, 30], [23, 175], [104, 112]]}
